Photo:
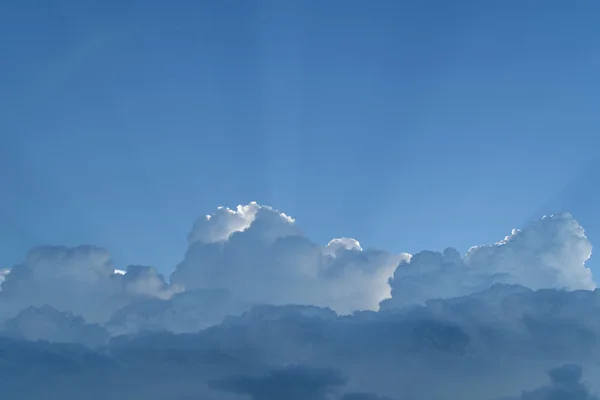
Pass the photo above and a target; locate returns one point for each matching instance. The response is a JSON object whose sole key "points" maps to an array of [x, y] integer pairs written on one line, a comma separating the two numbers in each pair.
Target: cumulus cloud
{"points": [[219, 227], [145, 282], [260, 255], [549, 253], [80, 280], [255, 254], [258, 310]]}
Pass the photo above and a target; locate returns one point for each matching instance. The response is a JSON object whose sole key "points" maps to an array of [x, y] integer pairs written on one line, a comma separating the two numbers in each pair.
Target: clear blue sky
{"points": [[405, 124]]}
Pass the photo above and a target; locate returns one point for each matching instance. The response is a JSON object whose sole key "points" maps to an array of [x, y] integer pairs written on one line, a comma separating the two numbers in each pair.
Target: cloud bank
{"points": [[257, 310]]}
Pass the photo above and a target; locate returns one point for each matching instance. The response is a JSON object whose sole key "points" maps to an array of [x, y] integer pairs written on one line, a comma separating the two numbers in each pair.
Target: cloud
{"points": [[189, 311], [363, 396], [549, 253], [292, 383], [258, 255], [565, 384], [219, 226], [261, 256], [258, 310], [48, 324], [451, 348], [3, 274], [80, 280], [145, 282]]}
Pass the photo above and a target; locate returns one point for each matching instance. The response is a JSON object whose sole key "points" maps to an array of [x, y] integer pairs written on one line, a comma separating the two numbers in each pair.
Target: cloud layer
{"points": [[257, 310]]}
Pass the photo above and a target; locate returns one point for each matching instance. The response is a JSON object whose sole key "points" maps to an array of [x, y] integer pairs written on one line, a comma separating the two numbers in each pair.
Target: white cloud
{"points": [[146, 282], [79, 280], [219, 227], [261, 256], [549, 253], [3, 274]]}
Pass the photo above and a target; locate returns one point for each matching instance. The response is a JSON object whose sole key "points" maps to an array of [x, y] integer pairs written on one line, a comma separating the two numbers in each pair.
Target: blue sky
{"points": [[407, 125]]}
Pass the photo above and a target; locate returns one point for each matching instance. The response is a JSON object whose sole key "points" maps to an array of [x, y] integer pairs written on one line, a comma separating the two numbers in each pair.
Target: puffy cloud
{"points": [[219, 227], [69, 279], [549, 253], [341, 244], [261, 256], [80, 280], [255, 254], [145, 281], [258, 255]]}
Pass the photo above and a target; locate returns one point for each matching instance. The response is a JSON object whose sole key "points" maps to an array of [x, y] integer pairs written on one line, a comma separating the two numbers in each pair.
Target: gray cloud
{"points": [[565, 384], [300, 350], [292, 383], [47, 323]]}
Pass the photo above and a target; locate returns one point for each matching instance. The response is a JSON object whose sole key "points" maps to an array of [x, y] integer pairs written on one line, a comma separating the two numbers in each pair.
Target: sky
{"points": [[350, 143], [405, 125]]}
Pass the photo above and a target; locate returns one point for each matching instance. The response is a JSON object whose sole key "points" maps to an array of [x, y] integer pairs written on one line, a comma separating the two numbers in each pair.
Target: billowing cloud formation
{"points": [[80, 280], [257, 310], [257, 255], [219, 226], [549, 253], [261, 256]]}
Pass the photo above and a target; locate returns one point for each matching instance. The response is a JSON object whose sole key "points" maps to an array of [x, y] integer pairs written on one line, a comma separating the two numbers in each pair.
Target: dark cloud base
{"points": [[456, 348]]}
